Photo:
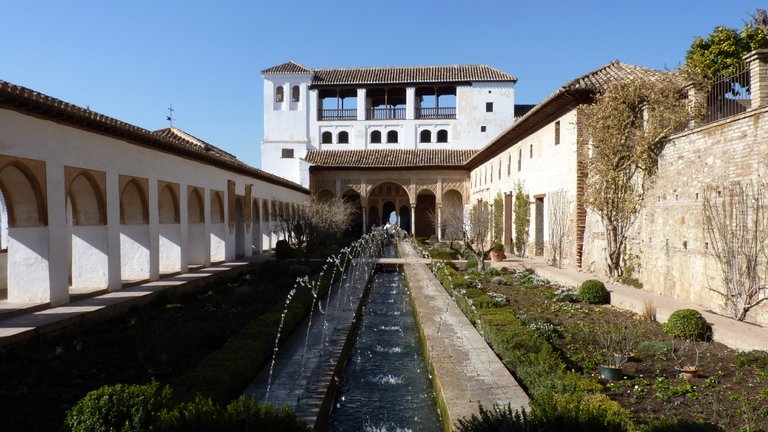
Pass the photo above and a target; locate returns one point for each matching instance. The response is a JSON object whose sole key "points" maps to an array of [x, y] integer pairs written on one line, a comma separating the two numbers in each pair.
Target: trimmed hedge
{"points": [[593, 291], [562, 397], [687, 324]]}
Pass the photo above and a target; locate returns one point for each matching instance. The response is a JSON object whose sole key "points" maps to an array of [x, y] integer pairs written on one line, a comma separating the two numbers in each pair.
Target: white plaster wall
{"points": [[28, 273], [3, 269], [134, 251], [471, 114], [170, 248], [198, 247], [550, 168], [218, 241], [90, 257]]}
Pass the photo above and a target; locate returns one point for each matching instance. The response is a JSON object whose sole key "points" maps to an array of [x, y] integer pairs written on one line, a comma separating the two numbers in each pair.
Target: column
{"points": [[413, 220], [440, 221], [758, 70], [184, 226], [57, 231], [154, 230], [364, 209], [410, 103], [113, 232], [361, 103]]}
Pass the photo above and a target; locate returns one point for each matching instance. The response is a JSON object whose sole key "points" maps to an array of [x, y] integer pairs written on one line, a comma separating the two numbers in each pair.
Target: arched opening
{"points": [[169, 230], [88, 246], [442, 136], [295, 93], [326, 137], [425, 136], [239, 229], [388, 197], [279, 94], [343, 137], [134, 231], [373, 216], [405, 218], [196, 240], [266, 228], [26, 263], [392, 137], [426, 214], [376, 137], [387, 210]]}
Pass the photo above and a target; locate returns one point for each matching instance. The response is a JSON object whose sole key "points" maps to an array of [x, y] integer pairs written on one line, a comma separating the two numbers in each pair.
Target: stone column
{"points": [[758, 70], [413, 220], [439, 221]]}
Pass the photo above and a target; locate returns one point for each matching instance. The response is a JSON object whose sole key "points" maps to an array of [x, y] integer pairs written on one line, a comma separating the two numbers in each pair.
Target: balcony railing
{"points": [[337, 114], [729, 95], [385, 114], [436, 113]]}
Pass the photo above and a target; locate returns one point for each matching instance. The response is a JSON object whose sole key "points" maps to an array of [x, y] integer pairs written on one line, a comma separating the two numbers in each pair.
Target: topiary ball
{"points": [[593, 291], [687, 324]]}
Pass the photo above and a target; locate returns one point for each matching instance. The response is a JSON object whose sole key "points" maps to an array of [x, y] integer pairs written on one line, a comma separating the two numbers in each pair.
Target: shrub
{"points": [[283, 250], [687, 324], [498, 419], [756, 358], [593, 291], [471, 264], [119, 408]]}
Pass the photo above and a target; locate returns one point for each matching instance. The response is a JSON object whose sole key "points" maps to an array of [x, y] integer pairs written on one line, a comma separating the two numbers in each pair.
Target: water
{"points": [[386, 385]]}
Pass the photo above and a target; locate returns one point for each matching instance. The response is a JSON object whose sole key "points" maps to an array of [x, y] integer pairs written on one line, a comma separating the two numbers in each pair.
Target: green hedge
{"points": [[688, 324], [562, 397]]}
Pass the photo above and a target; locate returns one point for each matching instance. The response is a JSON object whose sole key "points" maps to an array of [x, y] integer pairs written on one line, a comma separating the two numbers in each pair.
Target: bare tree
{"points": [[477, 232], [314, 223], [628, 126], [451, 222], [522, 210], [736, 224], [559, 218]]}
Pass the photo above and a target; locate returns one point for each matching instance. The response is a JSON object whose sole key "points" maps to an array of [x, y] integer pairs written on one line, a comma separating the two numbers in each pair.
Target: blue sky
{"points": [[132, 59]]}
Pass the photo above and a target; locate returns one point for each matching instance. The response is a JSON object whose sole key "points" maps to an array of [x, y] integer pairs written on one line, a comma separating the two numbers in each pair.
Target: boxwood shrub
{"points": [[687, 324], [593, 291]]}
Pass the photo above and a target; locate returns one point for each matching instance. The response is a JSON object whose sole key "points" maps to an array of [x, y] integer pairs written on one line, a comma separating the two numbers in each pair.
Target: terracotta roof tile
{"points": [[171, 140], [399, 74], [289, 67], [389, 158]]}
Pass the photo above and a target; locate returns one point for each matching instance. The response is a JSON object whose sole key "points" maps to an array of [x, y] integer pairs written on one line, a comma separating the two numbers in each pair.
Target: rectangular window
{"points": [[489, 107], [287, 154], [519, 159], [482, 128], [530, 151], [557, 132], [509, 165]]}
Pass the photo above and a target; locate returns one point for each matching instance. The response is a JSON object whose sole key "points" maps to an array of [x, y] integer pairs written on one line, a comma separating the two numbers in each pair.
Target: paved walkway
{"points": [[737, 335], [464, 368]]}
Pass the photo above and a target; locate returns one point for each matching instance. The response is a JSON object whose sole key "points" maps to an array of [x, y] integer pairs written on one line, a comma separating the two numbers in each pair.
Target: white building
{"points": [[412, 107]]}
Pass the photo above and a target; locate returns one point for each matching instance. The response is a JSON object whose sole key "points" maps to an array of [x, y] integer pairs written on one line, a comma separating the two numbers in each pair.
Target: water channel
{"points": [[386, 385]]}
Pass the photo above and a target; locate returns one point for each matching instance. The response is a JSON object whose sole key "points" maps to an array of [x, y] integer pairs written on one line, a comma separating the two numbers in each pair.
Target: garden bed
{"points": [[729, 392]]}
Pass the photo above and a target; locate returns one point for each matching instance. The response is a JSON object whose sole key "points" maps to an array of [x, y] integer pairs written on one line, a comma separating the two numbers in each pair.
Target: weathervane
{"points": [[170, 115]]}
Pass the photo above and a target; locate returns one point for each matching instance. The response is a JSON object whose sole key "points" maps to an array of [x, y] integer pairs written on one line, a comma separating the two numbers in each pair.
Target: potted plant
{"points": [[617, 342], [497, 252]]}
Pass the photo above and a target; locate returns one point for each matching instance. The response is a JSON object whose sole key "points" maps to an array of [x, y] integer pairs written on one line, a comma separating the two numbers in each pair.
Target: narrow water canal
{"points": [[386, 385]]}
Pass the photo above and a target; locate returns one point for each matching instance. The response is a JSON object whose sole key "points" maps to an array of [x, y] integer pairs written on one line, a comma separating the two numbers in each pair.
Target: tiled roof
{"points": [[172, 140], [289, 67], [389, 158], [400, 74], [579, 91]]}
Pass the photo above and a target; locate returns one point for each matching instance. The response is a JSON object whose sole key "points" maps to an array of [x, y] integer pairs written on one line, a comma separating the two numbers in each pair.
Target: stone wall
{"points": [[668, 240]]}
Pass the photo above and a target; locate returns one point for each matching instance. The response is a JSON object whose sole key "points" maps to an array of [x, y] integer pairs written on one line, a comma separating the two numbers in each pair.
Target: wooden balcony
{"points": [[385, 114], [436, 113], [337, 114]]}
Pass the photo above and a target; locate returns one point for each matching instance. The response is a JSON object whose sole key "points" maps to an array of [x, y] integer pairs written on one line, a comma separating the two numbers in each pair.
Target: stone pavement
{"points": [[465, 370], [734, 334]]}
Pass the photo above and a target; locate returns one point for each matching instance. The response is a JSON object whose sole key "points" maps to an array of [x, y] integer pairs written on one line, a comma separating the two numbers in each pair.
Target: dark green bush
{"points": [[471, 263], [593, 291], [443, 254], [498, 419], [687, 324], [119, 408], [283, 250]]}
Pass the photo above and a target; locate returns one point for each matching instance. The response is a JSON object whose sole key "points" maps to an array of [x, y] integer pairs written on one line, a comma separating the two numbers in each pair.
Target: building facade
{"points": [[382, 108]]}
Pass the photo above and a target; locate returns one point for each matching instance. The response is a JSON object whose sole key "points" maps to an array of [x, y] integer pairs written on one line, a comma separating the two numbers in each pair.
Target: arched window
{"points": [[376, 137], [343, 137], [425, 136], [279, 96], [442, 136], [392, 136], [327, 138], [295, 93]]}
